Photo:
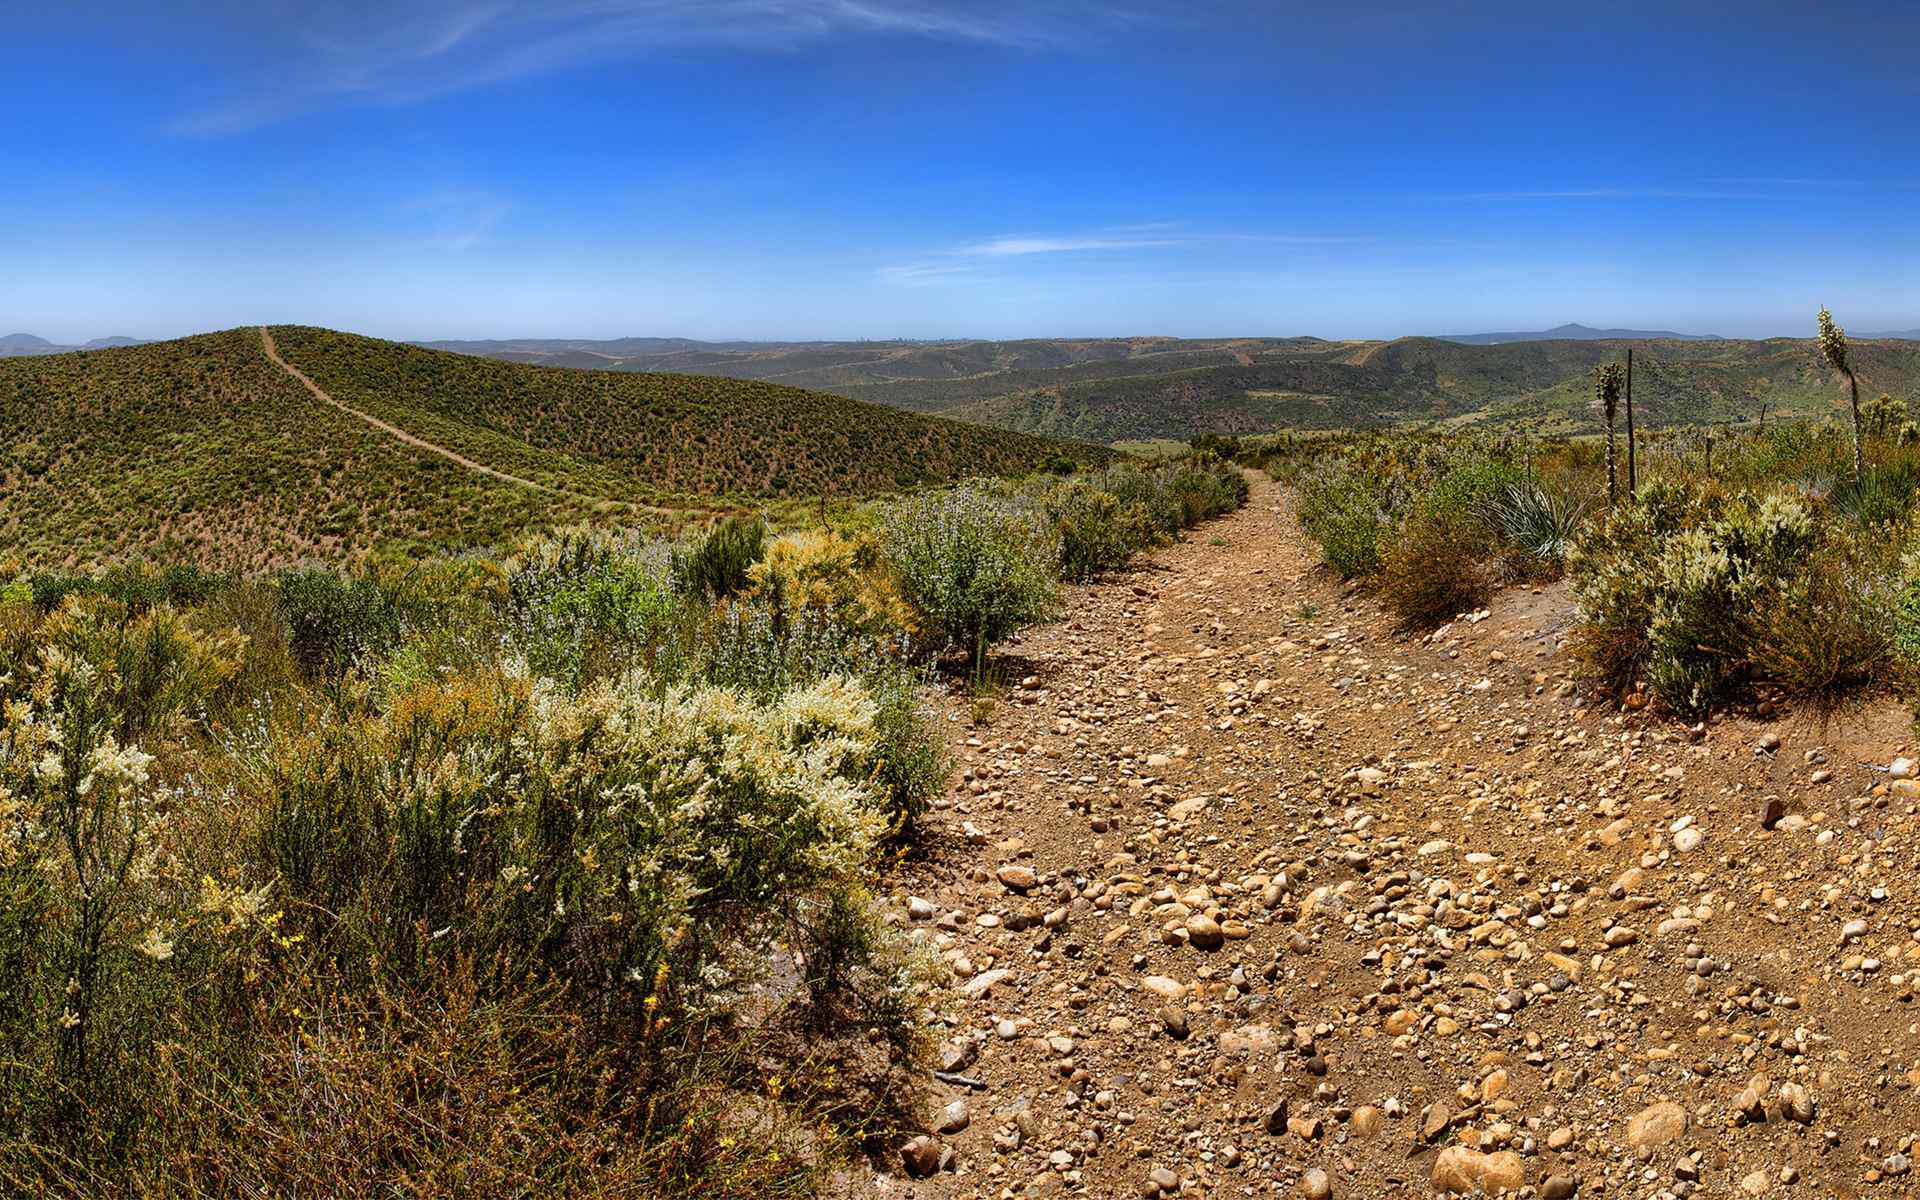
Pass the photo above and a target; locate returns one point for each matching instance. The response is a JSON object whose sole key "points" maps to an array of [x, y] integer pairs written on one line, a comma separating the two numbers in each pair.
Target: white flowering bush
{"points": [[1675, 587], [649, 849], [94, 909]]}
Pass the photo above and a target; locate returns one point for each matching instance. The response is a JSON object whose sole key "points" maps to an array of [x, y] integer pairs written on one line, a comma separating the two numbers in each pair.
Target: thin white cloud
{"points": [[373, 52], [921, 274], [1608, 194], [459, 220], [1010, 247], [1159, 235]]}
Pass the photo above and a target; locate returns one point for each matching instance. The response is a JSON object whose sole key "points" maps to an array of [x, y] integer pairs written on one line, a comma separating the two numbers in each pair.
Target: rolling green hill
{"points": [[1542, 386], [610, 433], [1127, 389], [203, 448]]}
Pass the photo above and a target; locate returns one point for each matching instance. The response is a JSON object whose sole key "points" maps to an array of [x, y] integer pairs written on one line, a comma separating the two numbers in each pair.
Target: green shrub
{"points": [[716, 565], [1098, 531], [1434, 571], [619, 843], [1615, 568], [181, 585], [1345, 515], [910, 759], [1823, 631], [1200, 494], [1668, 588], [1467, 489], [147, 669], [1904, 589], [51, 587], [974, 566], [1882, 497], [1144, 491], [585, 607], [335, 625], [1053, 462]]}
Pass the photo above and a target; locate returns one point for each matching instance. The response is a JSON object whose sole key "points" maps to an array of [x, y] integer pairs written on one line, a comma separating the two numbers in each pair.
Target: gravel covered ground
{"points": [[1244, 893]]}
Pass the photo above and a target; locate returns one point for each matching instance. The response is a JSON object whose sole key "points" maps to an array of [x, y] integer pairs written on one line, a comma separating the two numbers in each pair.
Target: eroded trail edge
{"points": [[1244, 892]]}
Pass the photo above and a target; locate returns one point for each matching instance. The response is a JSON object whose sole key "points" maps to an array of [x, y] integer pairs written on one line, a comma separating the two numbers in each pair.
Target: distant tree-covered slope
{"points": [[1537, 385], [1119, 389], [203, 449]]}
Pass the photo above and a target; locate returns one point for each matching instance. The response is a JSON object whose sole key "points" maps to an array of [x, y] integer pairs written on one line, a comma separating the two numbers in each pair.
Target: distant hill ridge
{"points": [[15, 345], [1579, 333], [1137, 388]]}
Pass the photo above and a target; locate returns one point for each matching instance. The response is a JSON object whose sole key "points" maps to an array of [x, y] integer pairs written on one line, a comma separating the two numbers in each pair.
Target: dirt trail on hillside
{"points": [[419, 443], [1244, 893]]}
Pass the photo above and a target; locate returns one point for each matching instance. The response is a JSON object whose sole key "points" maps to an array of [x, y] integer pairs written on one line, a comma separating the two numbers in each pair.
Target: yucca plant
{"points": [[1540, 522], [1608, 379], [1833, 347]]}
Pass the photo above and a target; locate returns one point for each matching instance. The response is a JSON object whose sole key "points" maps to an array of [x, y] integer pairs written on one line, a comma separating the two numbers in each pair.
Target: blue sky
{"points": [[930, 168]]}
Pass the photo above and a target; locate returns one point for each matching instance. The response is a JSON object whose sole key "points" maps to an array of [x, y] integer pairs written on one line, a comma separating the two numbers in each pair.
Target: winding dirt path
{"points": [[420, 443], [1245, 893]]}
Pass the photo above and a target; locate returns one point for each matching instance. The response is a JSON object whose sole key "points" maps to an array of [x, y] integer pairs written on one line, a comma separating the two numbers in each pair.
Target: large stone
{"points": [[1796, 1103], [1751, 1103], [1165, 988], [1204, 932], [1186, 810], [983, 983], [1460, 1170], [1016, 878], [1656, 1125], [921, 1156]]}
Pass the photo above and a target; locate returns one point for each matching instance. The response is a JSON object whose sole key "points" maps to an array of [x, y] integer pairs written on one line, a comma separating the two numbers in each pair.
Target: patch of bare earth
{"points": [[1244, 893]]}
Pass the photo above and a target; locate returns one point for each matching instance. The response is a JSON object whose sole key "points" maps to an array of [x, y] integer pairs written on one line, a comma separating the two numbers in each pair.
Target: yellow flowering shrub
{"points": [[826, 572]]}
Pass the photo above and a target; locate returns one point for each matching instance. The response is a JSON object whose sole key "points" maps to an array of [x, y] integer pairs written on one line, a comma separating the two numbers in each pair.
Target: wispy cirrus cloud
{"points": [[924, 274], [969, 261], [1609, 193], [458, 220], [1013, 247], [374, 52]]}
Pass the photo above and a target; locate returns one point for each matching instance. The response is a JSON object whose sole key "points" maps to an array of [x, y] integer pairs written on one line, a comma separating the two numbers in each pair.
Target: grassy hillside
{"points": [[1127, 389], [203, 449], [617, 433]]}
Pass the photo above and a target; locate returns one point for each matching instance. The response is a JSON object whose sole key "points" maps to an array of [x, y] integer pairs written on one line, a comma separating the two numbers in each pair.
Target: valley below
{"points": [[1144, 388]]}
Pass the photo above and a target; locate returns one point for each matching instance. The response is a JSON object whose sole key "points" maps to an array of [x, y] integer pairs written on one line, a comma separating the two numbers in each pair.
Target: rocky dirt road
{"points": [[1245, 894]]}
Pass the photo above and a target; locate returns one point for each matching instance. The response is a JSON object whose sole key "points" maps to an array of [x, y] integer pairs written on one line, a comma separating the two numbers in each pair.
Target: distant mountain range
{"points": [[1582, 333], [16, 345]]}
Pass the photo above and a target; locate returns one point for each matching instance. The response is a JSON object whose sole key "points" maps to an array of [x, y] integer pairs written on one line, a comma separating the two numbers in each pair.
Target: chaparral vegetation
{"points": [[1780, 558], [536, 872]]}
